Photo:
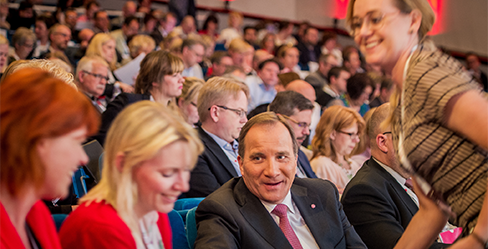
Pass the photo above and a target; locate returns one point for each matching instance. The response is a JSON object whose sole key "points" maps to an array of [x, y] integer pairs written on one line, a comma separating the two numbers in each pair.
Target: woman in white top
{"points": [[337, 134]]}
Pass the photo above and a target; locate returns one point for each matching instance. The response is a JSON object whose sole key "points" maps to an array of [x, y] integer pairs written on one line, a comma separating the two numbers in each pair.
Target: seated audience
{"points": [[297, 109], [141, 44], [210, 27], [187, 101], [159, 80], [187, 27], [41, 140], [149, 24], [241, 52], [379, 198], [301, 30], [23, 42], [220, 62], [337, 134], [351, 60], [330, 94], [128, 10], [473, 66], [87, 20], [130, 27], [24, 16], [233, 31], [386, 89], [284, 35], [166, 24], [359, 88], [43, 24], [268, 207], [328, 45], [192, 52], [262, 88], [260, 55], [222, 108], [59, 36], [91, 77], [309, 50], [267, 43], [101, 22], [148, 156], [318, 79], [70, 16], [251, 37]]}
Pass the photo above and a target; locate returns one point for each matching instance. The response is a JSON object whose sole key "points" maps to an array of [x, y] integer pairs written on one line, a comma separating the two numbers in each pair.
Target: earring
{"points": [[410, 31]]}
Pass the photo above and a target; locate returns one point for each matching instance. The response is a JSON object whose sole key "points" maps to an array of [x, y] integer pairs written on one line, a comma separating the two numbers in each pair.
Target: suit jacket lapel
{"points": [[258, 217], [215, 149], [406, 199]]}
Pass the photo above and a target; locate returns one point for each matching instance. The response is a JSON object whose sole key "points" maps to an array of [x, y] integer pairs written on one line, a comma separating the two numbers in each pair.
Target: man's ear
{"points": [[214, 113], [381, 143], [119, 161]]}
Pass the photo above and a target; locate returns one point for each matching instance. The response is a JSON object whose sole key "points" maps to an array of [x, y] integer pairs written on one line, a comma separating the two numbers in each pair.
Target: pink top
{"points": [[327, 169]]}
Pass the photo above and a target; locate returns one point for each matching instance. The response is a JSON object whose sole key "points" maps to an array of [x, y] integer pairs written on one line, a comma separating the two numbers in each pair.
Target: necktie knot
{"points": [[281, 211]]}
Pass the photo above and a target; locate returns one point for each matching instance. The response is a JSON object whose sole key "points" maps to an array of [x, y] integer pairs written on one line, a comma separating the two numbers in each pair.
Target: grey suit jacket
{"points": [[233, 217]]}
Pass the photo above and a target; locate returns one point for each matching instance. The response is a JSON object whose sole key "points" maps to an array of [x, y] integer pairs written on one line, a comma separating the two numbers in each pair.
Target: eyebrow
{"points": [[256, 154], [367, 13]]}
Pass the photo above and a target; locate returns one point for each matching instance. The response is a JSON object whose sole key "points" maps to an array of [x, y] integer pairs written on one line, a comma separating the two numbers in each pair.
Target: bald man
{"points": [[307, 90]]}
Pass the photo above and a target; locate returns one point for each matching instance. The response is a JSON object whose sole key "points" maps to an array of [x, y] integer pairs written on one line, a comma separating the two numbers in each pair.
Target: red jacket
{"points": [[99, 226], [40, 222]]}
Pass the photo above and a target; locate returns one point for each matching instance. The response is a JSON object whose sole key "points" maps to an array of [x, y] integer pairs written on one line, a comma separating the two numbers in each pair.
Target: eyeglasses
{"points": [[386, 132], [99, 76], [241, 113], [375, 20], [350, 134], [303, 125], [193, 104]]}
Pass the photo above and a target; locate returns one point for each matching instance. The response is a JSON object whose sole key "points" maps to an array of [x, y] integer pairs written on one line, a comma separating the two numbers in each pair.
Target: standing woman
{"points": [[439, 116], [44, 123], [148, 157], [336, 136], [159, 80]]}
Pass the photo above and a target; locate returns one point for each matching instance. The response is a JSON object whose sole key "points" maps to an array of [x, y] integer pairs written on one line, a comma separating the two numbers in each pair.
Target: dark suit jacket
{"points": [[378, 207], [233, 217], [113, 109], [213, 168], [305, 164], [305, 54]]}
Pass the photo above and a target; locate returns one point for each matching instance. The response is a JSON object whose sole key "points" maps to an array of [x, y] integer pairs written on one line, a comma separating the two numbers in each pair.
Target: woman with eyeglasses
{"points": [[336, 136], [439, 117], [159, 80]]}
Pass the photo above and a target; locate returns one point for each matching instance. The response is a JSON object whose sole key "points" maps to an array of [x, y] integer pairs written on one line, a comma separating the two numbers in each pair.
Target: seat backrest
{"points": [[93, 150], [59, 219], [187, 203], [178, 230], [191, 227]]}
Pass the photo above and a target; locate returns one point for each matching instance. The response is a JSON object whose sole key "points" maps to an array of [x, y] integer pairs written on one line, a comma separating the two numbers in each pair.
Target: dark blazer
{"points": [[113, 109], [303, 161], [212, 170], [233, 217], [305, 54], [378, 207]]}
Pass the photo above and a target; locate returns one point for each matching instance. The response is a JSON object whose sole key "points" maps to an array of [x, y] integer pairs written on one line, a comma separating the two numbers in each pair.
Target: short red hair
{"points": [[35, 105]]}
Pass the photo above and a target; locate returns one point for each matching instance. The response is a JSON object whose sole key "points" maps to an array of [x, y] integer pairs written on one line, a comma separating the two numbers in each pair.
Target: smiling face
{"points": [[385, 33], [269, 164], [61, 157], [161, 179]]}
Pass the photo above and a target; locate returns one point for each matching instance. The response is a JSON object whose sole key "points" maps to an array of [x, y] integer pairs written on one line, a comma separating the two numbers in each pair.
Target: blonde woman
{"points": [[148, 157], [234, 29], [336, 136], [141, 44], [187, 101]]}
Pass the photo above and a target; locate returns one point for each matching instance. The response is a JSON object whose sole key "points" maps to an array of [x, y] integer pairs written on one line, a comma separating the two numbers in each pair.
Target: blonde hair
{"points": [[139, 42], [55, 70], [406, 6], [334, 118], [3, 40], [140, 131], [191, 87], [95, 47], [236, 15], [216, 92], [238, 45]]}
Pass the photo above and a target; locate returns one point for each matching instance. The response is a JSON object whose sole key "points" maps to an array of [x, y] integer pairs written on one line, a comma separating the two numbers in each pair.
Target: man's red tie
{"points": [[281, 211]]}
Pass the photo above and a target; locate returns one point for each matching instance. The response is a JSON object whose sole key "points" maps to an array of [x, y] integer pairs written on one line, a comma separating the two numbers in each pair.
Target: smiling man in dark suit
{"points": [[377, 200], [268, 207], [222, 108]]}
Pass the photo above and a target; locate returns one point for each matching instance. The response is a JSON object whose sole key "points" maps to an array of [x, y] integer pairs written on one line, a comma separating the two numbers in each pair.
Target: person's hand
{"points": [[125, 87]]}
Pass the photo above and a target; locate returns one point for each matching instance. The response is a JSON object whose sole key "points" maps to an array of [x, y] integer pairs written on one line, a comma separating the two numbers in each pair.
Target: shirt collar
{"points": [[221, 142], [400, 179], [287, 201]]}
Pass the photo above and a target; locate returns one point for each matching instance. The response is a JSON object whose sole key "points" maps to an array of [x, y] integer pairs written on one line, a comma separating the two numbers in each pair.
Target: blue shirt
{"points": [[257, 91], [229, 149]]}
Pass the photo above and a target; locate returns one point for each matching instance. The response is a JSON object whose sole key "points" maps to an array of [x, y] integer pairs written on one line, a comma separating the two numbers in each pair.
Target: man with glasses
{"points": [[192, 52], [59, 36], [91, 77], [222, 108], [378, 200], [298, 111]]}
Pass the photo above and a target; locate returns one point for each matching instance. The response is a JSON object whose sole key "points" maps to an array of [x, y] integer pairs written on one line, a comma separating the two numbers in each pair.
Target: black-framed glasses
{"points": [[303, 125], [241, 113], [98, 76], [374, 20], [386, 132], [193, 104], [350, 134]]}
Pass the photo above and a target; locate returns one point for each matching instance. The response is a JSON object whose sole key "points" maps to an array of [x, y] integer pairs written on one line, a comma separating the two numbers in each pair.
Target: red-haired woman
{"points": [[44, 122]]}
